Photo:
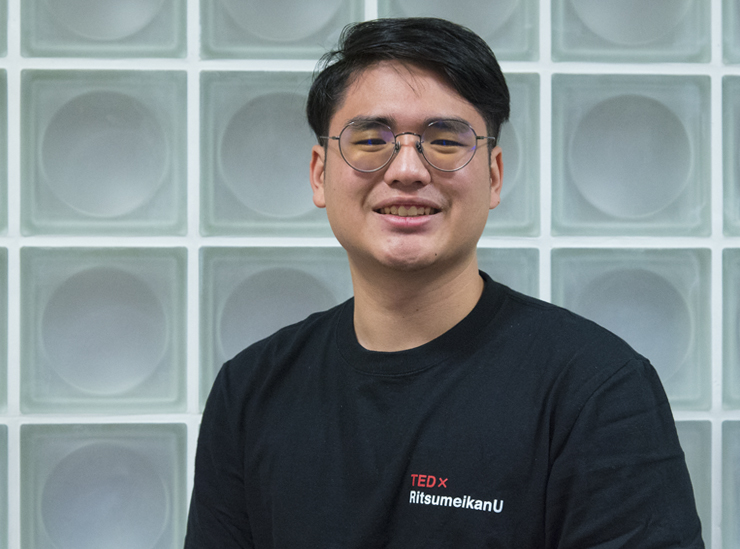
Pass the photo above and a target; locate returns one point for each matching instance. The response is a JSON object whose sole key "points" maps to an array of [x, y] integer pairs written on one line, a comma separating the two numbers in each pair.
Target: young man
{"points": [[437, 408]]}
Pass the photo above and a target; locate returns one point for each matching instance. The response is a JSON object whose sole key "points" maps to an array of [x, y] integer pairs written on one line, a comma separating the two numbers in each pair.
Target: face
{"points": [[369, 212]]}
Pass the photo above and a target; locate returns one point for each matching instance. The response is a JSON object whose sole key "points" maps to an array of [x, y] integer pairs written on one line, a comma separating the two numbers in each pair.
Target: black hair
{"points": [[450, 50]]}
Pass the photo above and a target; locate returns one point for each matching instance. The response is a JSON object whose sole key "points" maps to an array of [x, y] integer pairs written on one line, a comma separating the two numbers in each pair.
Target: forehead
{"points": [[407, 95]]}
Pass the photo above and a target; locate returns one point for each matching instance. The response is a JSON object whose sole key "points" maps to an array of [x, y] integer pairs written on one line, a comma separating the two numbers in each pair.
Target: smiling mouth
{"points": [[410, 211]]}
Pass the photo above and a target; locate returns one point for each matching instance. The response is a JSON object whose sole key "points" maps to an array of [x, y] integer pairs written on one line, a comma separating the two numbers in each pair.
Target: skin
{"points": [[414, 278]]}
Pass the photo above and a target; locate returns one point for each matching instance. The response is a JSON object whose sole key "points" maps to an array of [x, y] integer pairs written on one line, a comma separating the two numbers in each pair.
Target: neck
{"points": [[402, 310]]}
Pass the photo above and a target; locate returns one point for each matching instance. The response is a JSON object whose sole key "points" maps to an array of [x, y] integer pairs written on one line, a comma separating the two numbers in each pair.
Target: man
{"points": [[437, 408]]}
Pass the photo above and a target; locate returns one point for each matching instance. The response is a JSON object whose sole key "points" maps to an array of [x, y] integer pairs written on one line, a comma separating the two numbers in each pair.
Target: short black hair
{"points": [[450, 50]]}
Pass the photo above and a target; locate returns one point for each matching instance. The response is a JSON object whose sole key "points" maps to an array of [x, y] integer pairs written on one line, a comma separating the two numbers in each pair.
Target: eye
{"points": [[369, 141], [446, 136], [446, 142], [368, 137]]}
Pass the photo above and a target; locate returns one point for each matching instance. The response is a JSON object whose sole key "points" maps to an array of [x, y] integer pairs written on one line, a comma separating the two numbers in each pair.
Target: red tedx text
{"points": [[428, 481]]}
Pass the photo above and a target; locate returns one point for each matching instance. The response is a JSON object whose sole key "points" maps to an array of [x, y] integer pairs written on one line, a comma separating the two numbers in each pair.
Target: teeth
{"points": [[411, 211]]}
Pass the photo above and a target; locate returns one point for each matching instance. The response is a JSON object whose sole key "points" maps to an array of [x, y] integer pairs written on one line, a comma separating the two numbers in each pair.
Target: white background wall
{"points": [[125, 219]]}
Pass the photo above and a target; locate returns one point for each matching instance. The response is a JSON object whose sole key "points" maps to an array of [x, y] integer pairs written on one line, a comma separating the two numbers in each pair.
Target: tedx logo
{"points": [[428, 481]]}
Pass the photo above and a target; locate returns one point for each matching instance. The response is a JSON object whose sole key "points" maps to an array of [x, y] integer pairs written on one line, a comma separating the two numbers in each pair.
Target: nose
{"points": [[416, 142], [408, 164]]}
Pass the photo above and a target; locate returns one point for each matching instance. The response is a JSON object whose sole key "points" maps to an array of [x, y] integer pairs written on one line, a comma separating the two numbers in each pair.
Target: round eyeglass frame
{"points": [[419, 146]]}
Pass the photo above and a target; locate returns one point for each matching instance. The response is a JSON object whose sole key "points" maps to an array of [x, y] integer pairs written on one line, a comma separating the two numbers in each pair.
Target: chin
{"points": [[400, 263], [406, 262], [406, 266]]}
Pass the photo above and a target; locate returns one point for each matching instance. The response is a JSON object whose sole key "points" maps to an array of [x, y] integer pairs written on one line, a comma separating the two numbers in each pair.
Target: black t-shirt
{"points": [[524, 426]]}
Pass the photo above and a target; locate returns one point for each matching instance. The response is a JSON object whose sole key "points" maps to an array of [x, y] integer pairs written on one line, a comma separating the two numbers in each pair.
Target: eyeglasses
{"points": [[368, 146]]}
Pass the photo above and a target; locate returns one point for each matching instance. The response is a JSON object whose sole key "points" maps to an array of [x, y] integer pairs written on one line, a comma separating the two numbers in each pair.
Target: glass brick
{"points": [[657, 300], [731, 30], [103, 330], [255, 150], [112, 486], [631, 30], [3, 152], [517, 268], [103, 28], [731, 130], [249, 293], [3, 328], [3, 27], [630, 155], [294, 29], [103, 152], [518, 213], [511, 27], [3, 487], [731, 312], [696, 441], [730, 484]]}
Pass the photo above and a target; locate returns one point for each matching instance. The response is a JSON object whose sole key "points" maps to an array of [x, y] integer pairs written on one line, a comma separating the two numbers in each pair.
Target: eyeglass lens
{"points": [[447, 145]]}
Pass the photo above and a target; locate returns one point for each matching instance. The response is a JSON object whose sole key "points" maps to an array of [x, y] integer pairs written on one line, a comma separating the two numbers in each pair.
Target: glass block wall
{"points": [[156, 217]]}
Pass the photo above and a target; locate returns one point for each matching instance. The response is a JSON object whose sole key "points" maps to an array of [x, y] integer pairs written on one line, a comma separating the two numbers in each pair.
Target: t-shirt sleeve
{"points": [[619, 479], [218, 517]]}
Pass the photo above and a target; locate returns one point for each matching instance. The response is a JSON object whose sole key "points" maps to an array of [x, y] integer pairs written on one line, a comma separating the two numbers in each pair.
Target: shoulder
{"points": [[557, 353], [316, 327], [562, 330], [293, 348]]}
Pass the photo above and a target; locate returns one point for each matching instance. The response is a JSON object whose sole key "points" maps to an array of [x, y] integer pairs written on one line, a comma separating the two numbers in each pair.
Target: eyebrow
{"points": [[367, 120], [390, 121]]}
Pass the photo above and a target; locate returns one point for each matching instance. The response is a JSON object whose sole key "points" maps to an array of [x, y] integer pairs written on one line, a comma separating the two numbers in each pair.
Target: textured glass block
{"points": [[103, 486], [517, 268], [731, 313], [3, 152], [248, 294], [3, 30], [630, 155], [519, 211], [657, 300], [3, 487], [731, 484], [103, 152], [255, 151], [631, 30], [509, 26], [696, 441], [3, 328], [103, 28], [280, 28], [731, 30], [731, 128], [103, 330]]}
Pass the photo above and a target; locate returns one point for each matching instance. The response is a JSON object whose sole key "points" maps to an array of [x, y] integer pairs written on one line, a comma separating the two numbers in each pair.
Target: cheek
{"points": [[343, 204], [337, 196], [475, 206], [475, 191], [477, 216], [345, 190]]}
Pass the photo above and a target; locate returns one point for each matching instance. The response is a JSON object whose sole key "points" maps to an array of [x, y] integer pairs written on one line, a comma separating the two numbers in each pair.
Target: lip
{"points": [[397, 222], [407, 223], [407, 203], [416, 204]]}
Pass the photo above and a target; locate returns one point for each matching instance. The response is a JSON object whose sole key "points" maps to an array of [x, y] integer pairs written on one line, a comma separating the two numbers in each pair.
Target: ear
{"points": [[497, 176], [318, 162]]}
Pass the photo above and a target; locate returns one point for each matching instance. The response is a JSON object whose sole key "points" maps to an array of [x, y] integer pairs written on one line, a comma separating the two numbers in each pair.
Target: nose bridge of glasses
{"points": [[416, 142]]}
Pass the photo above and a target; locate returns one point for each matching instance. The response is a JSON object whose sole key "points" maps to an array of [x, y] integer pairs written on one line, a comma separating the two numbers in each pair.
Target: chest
{"points": [[446, 462]]}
